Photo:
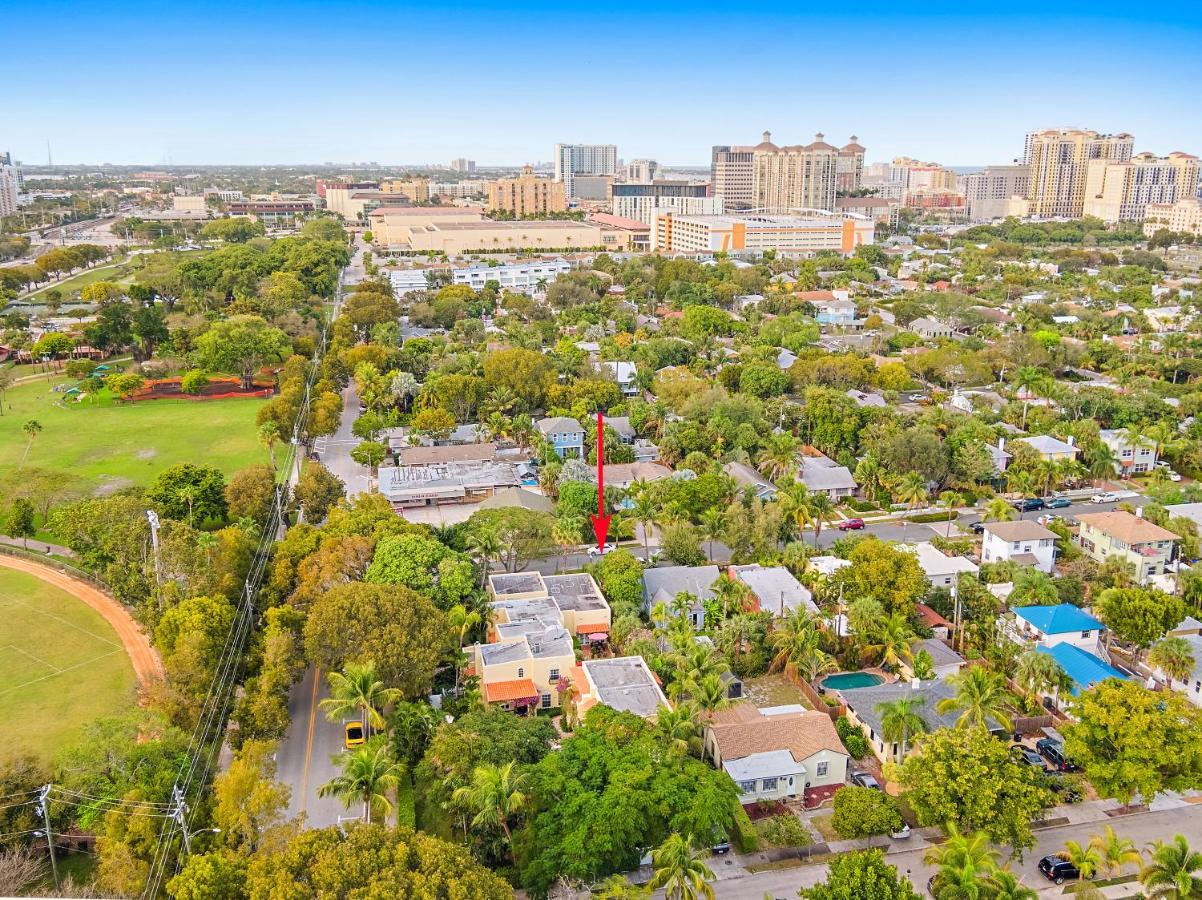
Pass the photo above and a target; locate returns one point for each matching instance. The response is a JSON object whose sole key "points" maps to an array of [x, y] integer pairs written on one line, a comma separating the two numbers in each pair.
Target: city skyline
{"points": [[287, 84]]}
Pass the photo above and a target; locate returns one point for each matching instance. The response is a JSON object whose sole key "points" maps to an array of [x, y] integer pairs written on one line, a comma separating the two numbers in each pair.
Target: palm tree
{"points": [[870, 476], [1114, 852], [680, 728], [730, 593], [1101, 462], [1172, 656], [713, 521], [709, 692], [1003, 885], [950, 500], [269, 433], [998, 510], [356, 690], [462, 620], [821, 510], [795, 506], [1172, 871], [645, 511], [1085, 859], [981, 695], [680, 870], [891, 641], [369, 773], [1038, 673], [485, 546], [566, 533], [494, 796], [798, 649], [32, 429], [1033, 381], [963, 861], [900, 720], [911, 490]]}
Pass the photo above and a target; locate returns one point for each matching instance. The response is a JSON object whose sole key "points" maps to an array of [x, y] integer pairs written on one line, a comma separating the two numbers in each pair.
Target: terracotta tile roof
{"points": [[508, 691], [599, 628], [801, 733], [929, 617], [1126, 527]]}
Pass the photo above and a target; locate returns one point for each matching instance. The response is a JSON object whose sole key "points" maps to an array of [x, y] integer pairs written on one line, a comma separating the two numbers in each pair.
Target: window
{"points": [[1086, 634], [747, 787], [821, 769], [555, 674], [546, 700], [769, 784], [521, 672]]}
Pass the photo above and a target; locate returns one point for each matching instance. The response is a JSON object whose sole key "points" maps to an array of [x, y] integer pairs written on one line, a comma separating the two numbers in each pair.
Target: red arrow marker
{"points": [[601, 520]]}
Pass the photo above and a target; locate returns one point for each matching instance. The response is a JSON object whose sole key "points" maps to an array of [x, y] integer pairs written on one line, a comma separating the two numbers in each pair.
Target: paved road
{"points": [[783, 883], [305, 756]]}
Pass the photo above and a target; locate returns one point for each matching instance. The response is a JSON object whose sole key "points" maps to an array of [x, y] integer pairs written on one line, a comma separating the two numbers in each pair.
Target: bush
{"points": [[80, 368], [929, 517], [864, 812], [745, 838], [782, 831], [194, 381], [852, 737], [861, 506]]}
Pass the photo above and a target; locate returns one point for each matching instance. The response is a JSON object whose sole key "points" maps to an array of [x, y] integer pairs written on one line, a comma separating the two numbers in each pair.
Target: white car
{"points": [[1104, 497], [601, 551], [1173, 476]]}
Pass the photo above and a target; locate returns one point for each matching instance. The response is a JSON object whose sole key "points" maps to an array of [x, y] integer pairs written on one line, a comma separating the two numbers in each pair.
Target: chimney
{"points": [[1139, 512], [1071, 440], [1001, 443]]}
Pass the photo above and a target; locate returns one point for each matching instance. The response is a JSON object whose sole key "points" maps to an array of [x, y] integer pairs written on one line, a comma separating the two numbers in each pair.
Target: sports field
{"points": [[61, 666], [109, 445]]}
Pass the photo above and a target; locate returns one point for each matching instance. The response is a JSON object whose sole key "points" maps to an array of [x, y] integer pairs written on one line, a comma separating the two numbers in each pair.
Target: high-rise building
{"points": [[641, 201], [584, 159], [462, 164], [641, 171], [795, 177], [527, 195], [1183, 216], [988, 192], [10, 185], [1122, 191], [914, 175], [1059, 166], [849, 167], [732, 174], [416, 189]]}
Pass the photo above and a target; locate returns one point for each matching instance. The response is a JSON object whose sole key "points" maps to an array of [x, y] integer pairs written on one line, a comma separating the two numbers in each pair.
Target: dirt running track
{"points": [[147, 665]]}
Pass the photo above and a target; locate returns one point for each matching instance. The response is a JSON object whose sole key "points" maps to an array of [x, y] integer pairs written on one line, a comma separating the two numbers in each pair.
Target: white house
{"points": [[623, 373], [1024, 542], [1064, 623], [942, 571], [1132, 454], [777, 752], [822, 475], [1050, 448], [775, 589]]}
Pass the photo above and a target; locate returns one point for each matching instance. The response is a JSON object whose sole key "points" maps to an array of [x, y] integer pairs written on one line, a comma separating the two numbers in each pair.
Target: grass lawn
{"points": [[109, 445], [120, 270], [61, 666]]}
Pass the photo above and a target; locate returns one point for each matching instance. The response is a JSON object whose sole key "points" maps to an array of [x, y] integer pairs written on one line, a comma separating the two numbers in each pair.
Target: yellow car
{"points": [[354, 735]]}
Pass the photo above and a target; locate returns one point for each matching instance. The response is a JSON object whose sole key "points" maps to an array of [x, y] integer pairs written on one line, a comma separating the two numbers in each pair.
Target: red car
{"points": [[850, 525]]}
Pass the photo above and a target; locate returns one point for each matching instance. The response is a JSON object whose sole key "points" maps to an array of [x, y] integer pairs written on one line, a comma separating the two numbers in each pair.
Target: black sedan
{"points": [[1058, 870]]}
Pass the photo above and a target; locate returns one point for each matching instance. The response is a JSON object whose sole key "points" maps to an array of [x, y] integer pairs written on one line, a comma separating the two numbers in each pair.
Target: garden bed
{"points": [[215, 389]]}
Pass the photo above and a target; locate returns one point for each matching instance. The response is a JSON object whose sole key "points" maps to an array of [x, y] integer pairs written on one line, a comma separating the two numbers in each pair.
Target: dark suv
{"points": [[1053, 752], [1030, 504], [1058, 870]]}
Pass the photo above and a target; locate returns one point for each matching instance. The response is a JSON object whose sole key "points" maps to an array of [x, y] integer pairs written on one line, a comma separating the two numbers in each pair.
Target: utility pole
{"points": [[180, 816], [153, 518], [45, 812]]}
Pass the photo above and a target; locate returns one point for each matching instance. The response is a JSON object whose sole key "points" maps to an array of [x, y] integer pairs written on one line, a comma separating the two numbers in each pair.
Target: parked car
{"points": [[850, 525], [977, 527], [1058, 870], [1053, 751], [1104, 497], [866, 779], [601, 551], [1029, 504], [902, 834], [1058, 503], [1027, 755], [353, 735], [1173, 476]]}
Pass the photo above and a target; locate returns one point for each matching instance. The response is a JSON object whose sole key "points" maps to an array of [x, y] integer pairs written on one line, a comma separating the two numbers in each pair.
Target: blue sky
{"points": [[263, 82]]}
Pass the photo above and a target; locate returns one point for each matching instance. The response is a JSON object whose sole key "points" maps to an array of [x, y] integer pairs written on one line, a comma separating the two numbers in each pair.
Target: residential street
{"points": [[304, 756]]}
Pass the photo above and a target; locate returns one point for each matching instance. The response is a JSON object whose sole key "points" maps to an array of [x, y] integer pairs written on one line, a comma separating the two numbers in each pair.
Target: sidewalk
{"points": [[36, 546]]}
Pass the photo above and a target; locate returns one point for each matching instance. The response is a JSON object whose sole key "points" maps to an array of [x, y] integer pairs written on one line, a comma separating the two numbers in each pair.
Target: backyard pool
{"points": [[847, 680]]}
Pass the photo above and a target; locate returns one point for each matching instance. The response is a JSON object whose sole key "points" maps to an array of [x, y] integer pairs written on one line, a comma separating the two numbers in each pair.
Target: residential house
{"points": [[831, 307], [1048, 626], [942, 571], [622, 428], [1052, 449], [1000, 456], [644, 450], [822, 475], [939, 626], [1083, 668], [863, 709], [624, 374], [1132, 454], [624, 683], [565, 434], [662, 585], [944, 660], [623, 475], [931, 329], [1147, 548], [785, 360], [1190, 630], [826, 566], [777, 753], [1023, 542], [745, 476], [866, 400], [775, 589]]}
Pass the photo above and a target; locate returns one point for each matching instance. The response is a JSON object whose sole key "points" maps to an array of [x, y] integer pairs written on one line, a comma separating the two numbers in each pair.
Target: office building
{"points": [[1122, 191], [10, 185], [526, 276], [416, 189], [849, 167], [273, 212], [188, 202], [796, 176], [463, 165], [641, 201], [1059, 167], [460, 190], [641, 171], [406, 281], [527, 195], [1183, 216], [755, 232], [584, 159], [455, 238], [988, 192], [597, 188], [732, 174]]}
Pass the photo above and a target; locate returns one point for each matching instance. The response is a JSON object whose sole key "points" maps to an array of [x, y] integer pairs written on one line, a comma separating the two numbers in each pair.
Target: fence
{"points": [[52, 563], [817, 700]]}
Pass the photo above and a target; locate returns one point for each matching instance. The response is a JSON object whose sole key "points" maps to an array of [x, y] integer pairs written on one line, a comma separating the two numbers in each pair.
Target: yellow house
{"points": [[1144, 546]]}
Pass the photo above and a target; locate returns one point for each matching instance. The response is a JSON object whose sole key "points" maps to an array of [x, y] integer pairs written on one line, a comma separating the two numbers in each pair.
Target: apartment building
{"points": [[915, 175], [796, 176], [416, 189], [642, 171], [462, 164], [583, 159], [10, 185], [527, 195], [641, 202], [1183, 216], [791, 235], [1059, 168], [516, 277], [1147, 548], [987, 193], [732, 173], [624, 683], [1122, 191], [849, 167]]}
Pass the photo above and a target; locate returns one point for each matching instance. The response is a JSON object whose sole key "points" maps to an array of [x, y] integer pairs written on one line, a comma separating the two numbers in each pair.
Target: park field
{"points": [[106, 445], [61, 667]]}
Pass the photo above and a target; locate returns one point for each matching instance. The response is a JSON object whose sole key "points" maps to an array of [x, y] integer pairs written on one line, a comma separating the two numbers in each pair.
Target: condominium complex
{"points": [[525, 276], [641, 201], [849, 167], [1183, 216], [732, 175], [527, 195], [1059, 168], [1122, 191], [915, 175], [798, 176], [10, 185], [463, 165], [988, 193], [416, 189], [786, 234], [583, 159]]}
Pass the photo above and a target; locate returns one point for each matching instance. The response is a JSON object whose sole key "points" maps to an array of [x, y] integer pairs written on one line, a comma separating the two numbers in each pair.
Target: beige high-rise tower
{"points": [[527, 195], [1059, 166], [797, 176]]}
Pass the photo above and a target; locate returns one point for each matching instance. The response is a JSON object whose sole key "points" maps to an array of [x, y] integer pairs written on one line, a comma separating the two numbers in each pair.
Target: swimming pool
{"points": [[846, 680]]}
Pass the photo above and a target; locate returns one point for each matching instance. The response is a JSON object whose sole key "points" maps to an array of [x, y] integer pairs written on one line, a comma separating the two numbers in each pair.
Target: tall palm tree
{"points": [[1033, 381], [485, 546], [1038, 674], [779, 456], [730, 593], [911, 489], [798, 648], [566, 533], [1174, 871], [1114, 852], [646, 512], [981, 695], [998, 510], [1085, 859], [494, 796], [369, 773], [870, 476], [900, 720], [357, 690], [1173, 656], [821, 510], [709, 692], [713, 521], [950, 500], [32, 429], [269, 433], [1101, 462], [680, 728], [794, 503], [890, 642], [681, 871]]}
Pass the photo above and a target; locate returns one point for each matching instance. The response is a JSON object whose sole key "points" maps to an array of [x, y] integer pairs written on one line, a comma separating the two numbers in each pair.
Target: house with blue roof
{"points": [[1083, 668], [1050, 626]]}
